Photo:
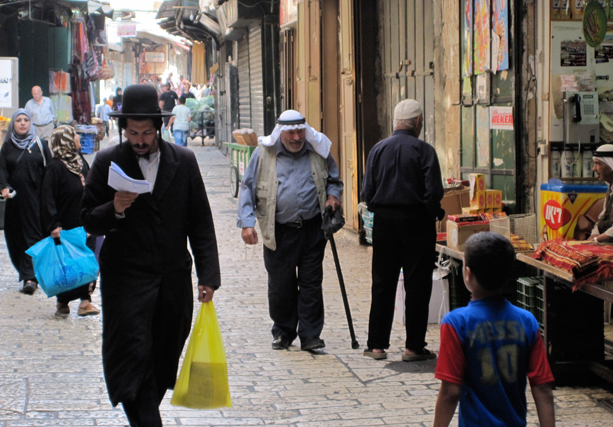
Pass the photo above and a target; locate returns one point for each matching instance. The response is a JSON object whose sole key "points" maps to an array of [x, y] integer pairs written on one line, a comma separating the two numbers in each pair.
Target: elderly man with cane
{"points": [[291, 179]]}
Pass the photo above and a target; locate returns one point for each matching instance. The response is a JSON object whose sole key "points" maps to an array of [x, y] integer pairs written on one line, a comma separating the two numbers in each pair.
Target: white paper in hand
{"points": [[122, 182]]}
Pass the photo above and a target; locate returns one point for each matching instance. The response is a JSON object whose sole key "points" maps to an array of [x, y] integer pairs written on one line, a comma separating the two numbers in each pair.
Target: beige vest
{"points": [[266, 185]]}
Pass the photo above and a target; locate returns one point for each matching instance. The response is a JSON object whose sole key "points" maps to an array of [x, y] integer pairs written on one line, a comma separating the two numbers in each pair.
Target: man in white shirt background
{"points": [[42, 112]]}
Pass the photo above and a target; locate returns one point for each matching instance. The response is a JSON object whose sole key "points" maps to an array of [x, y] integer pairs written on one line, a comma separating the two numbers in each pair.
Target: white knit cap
{"points": [[407, 109], [604, 153], [292, 119]]}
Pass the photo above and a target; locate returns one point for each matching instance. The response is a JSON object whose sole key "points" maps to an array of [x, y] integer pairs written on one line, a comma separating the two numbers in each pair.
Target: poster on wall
{"points": [[500, 31], [573, 53], [483, 137], [482, 36], [467, 39], [6, 83]]}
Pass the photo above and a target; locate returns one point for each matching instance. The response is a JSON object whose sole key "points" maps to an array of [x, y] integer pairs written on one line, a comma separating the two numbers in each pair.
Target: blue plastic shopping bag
{"points": [[63, 267]]}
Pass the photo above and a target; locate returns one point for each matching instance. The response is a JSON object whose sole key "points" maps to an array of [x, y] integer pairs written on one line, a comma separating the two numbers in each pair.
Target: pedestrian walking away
{"points": [[403, 187], [23, 158], [102, 113], [62, 190], [291, 179], [42, 113], [490, 348], [168, 100], [180, 122], [145, 265]]}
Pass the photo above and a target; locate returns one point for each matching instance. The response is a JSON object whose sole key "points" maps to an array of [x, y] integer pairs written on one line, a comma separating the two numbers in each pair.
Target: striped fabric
{"points": [[588, 262]]}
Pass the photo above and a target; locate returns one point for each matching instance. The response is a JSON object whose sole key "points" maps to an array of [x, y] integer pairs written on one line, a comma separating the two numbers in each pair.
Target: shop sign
{"points": [[126, 29], [155, 57], [6, 83], [501, 118], [289, 12]]}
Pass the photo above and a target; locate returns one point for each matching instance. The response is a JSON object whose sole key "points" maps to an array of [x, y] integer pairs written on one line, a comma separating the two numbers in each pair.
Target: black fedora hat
{"points": [[140, 101]]}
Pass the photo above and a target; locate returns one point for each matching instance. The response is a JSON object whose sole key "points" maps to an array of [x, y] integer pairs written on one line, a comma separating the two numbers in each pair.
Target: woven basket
{"points": [[524, 225], [4, 124]]}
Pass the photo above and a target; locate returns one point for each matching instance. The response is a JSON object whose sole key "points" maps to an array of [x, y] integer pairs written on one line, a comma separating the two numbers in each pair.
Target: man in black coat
{"points": [[145, 265], [403, 187]]}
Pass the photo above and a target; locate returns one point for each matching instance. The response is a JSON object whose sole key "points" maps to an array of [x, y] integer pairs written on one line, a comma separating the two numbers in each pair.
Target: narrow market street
{"points": [[51, 371]]}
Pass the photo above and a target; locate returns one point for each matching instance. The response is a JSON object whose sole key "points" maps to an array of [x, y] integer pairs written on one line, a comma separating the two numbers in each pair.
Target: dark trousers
{"points": [[144, 411], [295, 274], [407, 239]]}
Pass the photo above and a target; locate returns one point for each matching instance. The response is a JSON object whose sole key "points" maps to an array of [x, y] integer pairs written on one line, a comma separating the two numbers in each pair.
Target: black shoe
{"points": [[29, 287], [280, 343], [312, 343]]}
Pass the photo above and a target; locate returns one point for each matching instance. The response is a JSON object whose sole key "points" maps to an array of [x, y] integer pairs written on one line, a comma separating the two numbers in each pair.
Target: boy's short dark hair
{"points": [[182, 99], [490, 257]]}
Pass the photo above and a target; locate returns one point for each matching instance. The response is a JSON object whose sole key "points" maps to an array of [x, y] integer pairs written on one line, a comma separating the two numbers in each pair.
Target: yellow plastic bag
{"points": [[203, 380]]}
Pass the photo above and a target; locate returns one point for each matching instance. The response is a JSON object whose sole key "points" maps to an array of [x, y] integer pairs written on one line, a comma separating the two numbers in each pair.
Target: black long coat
{"points": [[22, 226], [145, 265]]}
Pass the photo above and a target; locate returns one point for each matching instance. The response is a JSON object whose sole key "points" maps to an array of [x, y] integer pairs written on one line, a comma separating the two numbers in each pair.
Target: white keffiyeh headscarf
{"points": [[604, 153], [292, 119]]}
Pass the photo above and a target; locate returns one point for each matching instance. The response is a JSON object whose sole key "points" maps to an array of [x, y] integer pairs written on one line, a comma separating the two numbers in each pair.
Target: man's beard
{"points": [[142, 156]]}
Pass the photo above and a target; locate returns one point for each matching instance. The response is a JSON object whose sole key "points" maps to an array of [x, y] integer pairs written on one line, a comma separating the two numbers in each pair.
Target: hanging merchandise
{"points": [[107, 71]]}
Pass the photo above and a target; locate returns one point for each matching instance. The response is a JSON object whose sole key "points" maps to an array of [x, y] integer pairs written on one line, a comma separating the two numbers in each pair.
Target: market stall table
{"points": [[573, 322]]}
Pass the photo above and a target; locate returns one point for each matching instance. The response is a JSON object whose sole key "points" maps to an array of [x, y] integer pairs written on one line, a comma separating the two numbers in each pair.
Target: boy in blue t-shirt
{"points": [[489, 348]]}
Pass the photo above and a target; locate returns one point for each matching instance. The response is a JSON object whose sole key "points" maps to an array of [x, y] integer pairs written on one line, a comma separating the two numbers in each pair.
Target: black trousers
{"points": [[295, 274], [144, 411], [407, 239]]}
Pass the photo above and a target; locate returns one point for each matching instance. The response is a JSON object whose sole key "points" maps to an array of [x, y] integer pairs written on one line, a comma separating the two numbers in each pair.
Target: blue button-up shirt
{"points": [[42, 114], [296, 192], [103, 111]]}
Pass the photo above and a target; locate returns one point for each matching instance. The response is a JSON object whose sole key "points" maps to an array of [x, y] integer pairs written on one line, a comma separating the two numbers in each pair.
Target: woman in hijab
{"points": [[22, 162], [61, 206]]}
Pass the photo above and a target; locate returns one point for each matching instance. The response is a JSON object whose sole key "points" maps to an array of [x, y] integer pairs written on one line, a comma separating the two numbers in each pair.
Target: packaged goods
{"points": [[470, 211], [493, 198], [464, 218], [477, 190]]}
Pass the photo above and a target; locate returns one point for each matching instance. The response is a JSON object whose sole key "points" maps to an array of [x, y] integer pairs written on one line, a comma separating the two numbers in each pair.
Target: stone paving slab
{"points": [[51, 372]]}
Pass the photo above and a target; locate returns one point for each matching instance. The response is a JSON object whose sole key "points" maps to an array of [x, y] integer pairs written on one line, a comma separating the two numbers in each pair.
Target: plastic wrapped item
{"points": [[59, 82], [63, 108]]}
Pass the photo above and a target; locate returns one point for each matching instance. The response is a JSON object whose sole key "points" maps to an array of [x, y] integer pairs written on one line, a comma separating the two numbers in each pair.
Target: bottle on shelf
{"points": [[567, 163], [577, 164], [588, 163], [555, 165]]}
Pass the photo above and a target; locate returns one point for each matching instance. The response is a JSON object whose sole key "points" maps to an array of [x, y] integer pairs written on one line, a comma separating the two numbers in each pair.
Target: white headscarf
{"points": [[604, 153], [292, 119]]}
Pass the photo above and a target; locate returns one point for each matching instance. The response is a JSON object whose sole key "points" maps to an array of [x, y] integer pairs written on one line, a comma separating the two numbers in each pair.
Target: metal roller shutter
{"points": [[257, 79], [244, 91]]}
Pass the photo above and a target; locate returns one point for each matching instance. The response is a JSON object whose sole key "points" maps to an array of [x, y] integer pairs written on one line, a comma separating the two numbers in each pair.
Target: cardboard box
{"points": [[493, 198], [457, 235], [477, 190], [453, 202]]}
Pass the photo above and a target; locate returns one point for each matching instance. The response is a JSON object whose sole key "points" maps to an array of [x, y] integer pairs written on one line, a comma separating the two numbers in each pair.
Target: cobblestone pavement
{"points": [[51, 373]]}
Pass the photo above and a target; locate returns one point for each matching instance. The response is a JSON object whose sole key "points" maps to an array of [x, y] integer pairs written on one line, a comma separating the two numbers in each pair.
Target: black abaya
{"points": [[22, 225]]}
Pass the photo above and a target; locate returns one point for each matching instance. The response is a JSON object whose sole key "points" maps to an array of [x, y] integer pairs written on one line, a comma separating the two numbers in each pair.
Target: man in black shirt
{"points": [[403, 187], [168, 100]]}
